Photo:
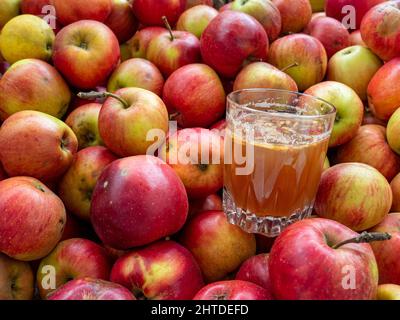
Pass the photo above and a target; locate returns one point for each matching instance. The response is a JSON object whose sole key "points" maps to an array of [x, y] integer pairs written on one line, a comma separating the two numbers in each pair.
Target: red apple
{"points": [[219, 127], [255, 270], [34, 7], [300, 56], [232, 290], [162, 271], [141, 40], [196, 93], [32, 218], [35, 144], [213, 202], [192, 3], [305, 265], [231, 39], [86, 60], [369, 146], [127, 209], [296, 14], [196, 19], [73, 259], [91, 289], [150, 12], [76, 186], [356, 39]]}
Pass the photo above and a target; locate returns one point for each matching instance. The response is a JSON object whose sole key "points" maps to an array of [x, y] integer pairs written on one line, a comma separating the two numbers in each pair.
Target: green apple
{"points": [[317, 5], [8, 10], [196, 19], [393, 131]]}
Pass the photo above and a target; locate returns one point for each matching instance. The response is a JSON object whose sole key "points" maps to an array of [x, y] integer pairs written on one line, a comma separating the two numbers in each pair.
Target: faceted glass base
{"points": [[268, 226]]}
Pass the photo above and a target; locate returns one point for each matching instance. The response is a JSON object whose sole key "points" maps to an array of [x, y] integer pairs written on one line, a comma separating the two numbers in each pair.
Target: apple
{"points": [[356, 39], [75, 228], [121, 20], [114, 254], [383, 96], [388, 292], [17, 44], [369, 146], [380, 29], [32, 218], [332, 34], [317, 5], [264, 11], [354, 66], [230, 40], [337, 9], [300, 56], [86, 61], [164, 270], [74, 10], [91, 289], [295, 14], [349, 109], [348, 272], [263, 75], [354, 194], [387, 252], [8, 10], [73, 259], [395, 185], [213, 202], [192, 3], [219, 127], [41, 8], [255, 270], [125, 51], [225, 7], [232, 290], [150, 12], [33, 84], [392, 132], [127, 209], [138, 73], [218, 246], [196, 19], [84, 123], [125, 123], [16, 279], [141, 40], [196, 94], [76, 186], [3, 175], [369, 118], [200, 168]]}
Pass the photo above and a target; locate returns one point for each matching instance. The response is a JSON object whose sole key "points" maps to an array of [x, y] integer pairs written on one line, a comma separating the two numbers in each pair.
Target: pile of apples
{"points": [[86, 214]]}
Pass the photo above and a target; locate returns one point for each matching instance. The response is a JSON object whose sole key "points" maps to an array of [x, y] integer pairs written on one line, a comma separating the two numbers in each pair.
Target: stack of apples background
{"points": [[85, 214]]}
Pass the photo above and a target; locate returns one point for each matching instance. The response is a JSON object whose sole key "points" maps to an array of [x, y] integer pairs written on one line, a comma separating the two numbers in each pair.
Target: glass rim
{"points": [[282, 114]]}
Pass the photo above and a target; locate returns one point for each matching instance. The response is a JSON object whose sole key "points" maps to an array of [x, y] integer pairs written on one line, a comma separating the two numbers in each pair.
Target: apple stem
{"points": [[294, 64], [168, 26], [92, 95], [173, 116], [365, 237]]}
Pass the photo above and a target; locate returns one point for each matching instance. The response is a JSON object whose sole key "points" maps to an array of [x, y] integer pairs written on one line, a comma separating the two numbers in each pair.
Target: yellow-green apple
{"points": [[164, 270], [26, 36], [264, 11], [37, 145], [295, 14], [84, 123], [91, 289], [33, 84], [192, 3], [354, 66], [388, 292], [317, 5], [348, 272], [127, 209], [196, 95], [76, 186], [86, 52], [213, 202], [395, 185], [218, 246], [393, 131], [141, 40], [369, 146], [255, 270], [8, 10], [383, 94], [356, 39], [300, 56], [339, 9], [16, 279], [74, 10], [196, 19], [354, 194], [126, 122], [232, 39], [73, 259], [232, 290], [332, 34], [197, 156], [32, 218], [387, 253], [380, 29], [263, 75], [139, 73], [349, 109], [121, 20], [125, 51], [151, 12]]}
